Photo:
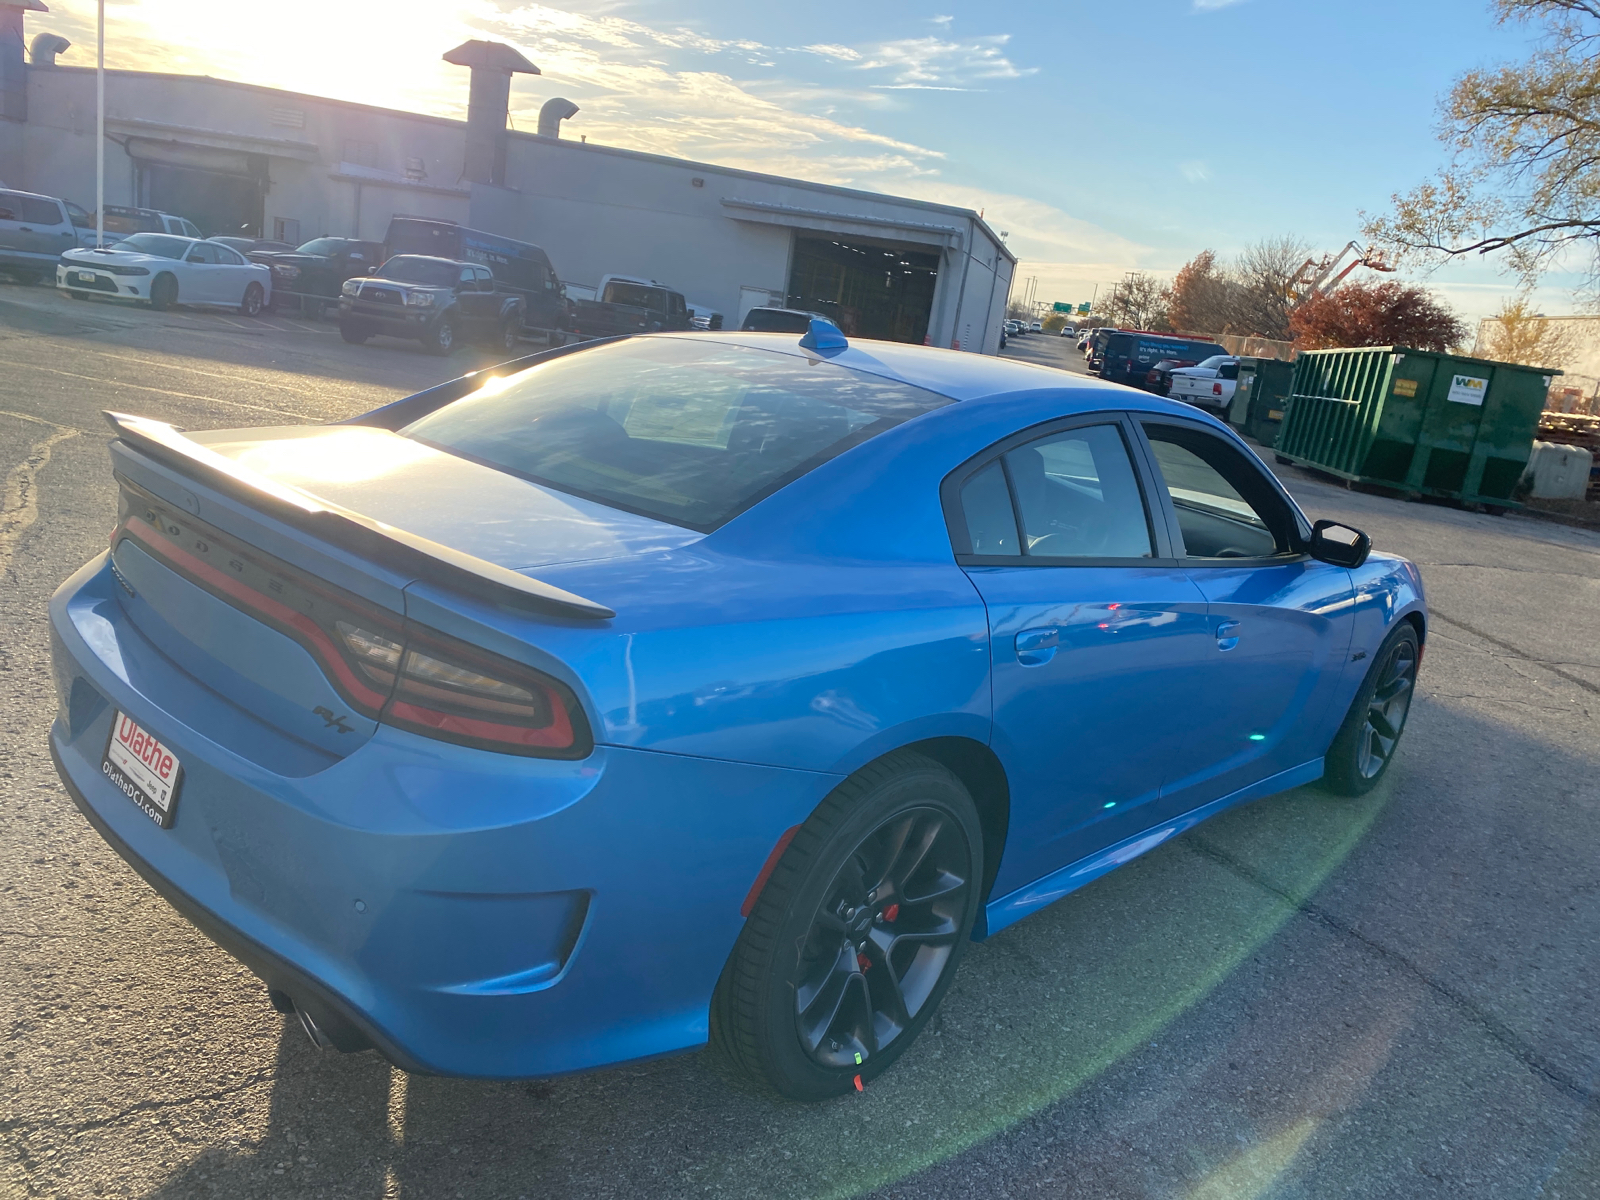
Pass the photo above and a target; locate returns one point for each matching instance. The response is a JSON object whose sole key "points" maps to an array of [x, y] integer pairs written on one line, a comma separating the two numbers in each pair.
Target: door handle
{"points": [[24, 229], [1035, 647], [1227, 635]]}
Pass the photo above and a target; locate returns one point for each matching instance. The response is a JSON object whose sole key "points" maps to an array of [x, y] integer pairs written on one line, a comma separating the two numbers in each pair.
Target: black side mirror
{"points": [[1338, 544]]}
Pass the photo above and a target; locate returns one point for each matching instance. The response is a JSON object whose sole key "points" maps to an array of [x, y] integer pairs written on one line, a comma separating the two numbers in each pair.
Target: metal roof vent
{"points": [[555, 111], [488, 105], [44, 48]]}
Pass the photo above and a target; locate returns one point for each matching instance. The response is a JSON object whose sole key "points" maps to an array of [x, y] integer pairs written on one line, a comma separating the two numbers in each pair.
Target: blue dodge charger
{"points": [[699, 686]]}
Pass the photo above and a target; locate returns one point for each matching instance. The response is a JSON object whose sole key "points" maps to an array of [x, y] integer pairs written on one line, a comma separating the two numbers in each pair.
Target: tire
{"points": [[441, 339], [24, 276], [511, 335], [799, 1006], [253, 302], [1367, 740], [353, 332], [1282, 461], [163, 292]]}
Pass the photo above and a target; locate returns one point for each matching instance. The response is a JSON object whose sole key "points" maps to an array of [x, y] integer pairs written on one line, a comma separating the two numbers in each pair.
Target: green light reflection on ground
{"points": [[1046, 1006]]}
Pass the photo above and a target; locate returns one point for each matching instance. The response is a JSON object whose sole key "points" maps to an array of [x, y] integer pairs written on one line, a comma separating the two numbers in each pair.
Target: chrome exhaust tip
{"points": [[319, 1037]]}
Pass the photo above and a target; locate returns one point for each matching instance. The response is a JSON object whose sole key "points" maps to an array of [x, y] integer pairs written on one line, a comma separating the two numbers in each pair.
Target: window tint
{"points": [[37, 211], [10, 206], [1077, 496], [204, 252], [1229, 370], [1225, 508], [986, 504], [683, 429], [227, 257]]}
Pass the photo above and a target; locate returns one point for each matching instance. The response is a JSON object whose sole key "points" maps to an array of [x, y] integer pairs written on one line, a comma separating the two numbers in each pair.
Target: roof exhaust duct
{"points": [[488, 105], [555, 111], [43, 49], [13, 68]]}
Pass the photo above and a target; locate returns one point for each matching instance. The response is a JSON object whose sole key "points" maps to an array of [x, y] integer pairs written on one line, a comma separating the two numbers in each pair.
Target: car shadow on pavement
{"points": [[1265, 997]]}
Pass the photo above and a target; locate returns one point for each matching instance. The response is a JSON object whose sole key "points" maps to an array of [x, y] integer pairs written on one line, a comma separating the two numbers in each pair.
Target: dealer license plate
{"points": [[83, 277], [143, 768]]}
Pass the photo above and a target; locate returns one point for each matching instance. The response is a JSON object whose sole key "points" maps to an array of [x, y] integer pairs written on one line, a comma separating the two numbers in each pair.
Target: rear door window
{"points": [[39, 211], [685, 430]]}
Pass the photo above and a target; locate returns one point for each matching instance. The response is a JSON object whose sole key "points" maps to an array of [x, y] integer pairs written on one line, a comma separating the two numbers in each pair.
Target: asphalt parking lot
{"points": [[1305, 997]]}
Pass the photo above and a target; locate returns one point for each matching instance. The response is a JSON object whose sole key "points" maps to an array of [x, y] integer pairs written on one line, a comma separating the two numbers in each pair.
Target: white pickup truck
{"points": [[1208, 384]]}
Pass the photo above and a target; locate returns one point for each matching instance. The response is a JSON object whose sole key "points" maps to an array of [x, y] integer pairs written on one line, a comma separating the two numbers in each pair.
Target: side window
{"points": [[228, 257], [986, 505], [467, 278], [203, 253], [1075, 495], [10, 207], [485, 279], [1225, 508], [1228, 371], [40, 212]]}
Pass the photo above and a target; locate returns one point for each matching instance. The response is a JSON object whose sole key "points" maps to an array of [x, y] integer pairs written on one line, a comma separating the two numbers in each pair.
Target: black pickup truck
{"points": [[629, 306], [314, 273], [440, 302]]}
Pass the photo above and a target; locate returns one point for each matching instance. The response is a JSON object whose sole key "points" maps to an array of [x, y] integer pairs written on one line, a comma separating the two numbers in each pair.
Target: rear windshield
{"points": [[776, 320], [321, 246], [432, 272], [129, 220], [158, 244], [688, 431], [637, 295]]}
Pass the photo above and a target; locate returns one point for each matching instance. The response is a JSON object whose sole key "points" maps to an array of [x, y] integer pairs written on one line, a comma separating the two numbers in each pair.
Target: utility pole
{"points": [[100, 128]]}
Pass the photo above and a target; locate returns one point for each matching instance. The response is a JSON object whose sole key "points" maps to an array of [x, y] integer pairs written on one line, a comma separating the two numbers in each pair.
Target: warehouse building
{"points": [[235, 157]]}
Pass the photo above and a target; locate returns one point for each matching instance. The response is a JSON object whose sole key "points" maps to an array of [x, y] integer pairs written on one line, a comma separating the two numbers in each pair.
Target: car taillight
{"points": [[397, 673], [458, 693], [1216, 389]]}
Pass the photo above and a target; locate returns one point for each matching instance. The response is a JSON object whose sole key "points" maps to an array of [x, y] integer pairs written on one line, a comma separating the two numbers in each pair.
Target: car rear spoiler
{"points": [[394, 548]]}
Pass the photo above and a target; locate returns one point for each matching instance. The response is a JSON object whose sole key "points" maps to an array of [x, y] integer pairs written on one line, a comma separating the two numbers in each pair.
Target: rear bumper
{"points": [[467, 913]]}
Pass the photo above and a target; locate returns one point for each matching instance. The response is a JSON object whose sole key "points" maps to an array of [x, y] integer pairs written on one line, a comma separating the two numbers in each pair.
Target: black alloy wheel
{"points": [[857, 933], [1365, 744], [253, 301], [880, 939], [163, 292]]}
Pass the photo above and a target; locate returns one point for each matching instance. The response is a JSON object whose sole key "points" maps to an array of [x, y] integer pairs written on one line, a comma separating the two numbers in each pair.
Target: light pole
{"points": [[100, 129]]}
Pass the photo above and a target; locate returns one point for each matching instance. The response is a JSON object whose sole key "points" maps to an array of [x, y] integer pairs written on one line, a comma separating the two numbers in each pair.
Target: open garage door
{"points": [[221, 191], [870, 289]]}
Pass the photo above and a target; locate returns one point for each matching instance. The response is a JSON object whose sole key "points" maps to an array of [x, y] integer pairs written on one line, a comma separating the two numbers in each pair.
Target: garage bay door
{"points": [[870, 289]]}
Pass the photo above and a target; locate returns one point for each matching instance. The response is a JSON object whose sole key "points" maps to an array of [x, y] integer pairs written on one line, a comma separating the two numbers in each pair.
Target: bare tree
{"points": [[1527, 146], [1249, 296], [1139, 302]]}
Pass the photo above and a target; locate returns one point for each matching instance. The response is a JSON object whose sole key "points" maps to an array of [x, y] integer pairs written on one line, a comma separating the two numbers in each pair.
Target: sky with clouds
{"points": [[1100, 138]]}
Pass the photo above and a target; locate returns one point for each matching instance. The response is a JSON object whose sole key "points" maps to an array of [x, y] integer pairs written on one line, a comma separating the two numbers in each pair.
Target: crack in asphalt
{"points": [[1497, 1032], [1514, 570], [1515, 652], [15, 1123], [19, 503]]}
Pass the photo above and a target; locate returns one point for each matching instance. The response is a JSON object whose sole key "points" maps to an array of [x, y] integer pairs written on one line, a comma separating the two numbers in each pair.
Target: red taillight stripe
{"points": [[557, 734], [322, 645], [767, 868]]}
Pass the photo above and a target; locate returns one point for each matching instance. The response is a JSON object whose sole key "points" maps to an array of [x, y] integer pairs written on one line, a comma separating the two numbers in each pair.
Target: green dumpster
{"points": [[1257, 408], [1421, 423]]}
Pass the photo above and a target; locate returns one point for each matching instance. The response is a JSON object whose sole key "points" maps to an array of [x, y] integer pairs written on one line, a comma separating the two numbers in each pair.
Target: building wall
{"points": [[721, 236]]}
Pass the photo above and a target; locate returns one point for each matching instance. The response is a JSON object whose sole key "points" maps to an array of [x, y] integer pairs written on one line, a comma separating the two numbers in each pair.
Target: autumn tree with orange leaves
{"points": [[1376, 314]]}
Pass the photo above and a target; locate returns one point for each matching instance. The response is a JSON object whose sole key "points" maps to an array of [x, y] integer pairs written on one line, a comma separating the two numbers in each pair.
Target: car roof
{"points": [[959, 375], [451, 262], [11, 191]]}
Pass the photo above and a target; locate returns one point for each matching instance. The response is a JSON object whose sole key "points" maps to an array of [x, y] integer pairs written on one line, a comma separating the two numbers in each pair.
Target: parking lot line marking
{"points": [[235, 324], [158, 391], [6, 412], [19, 506], [156, 362]]}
